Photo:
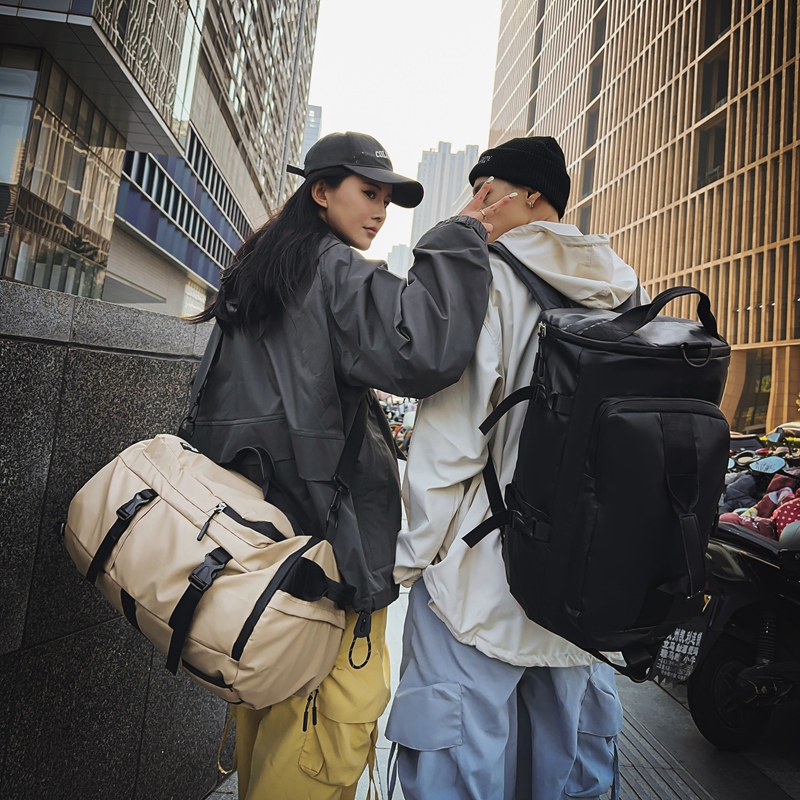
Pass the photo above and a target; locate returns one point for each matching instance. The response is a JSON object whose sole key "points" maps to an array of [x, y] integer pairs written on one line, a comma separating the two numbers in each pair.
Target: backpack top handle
{"points": [[629, 322]]}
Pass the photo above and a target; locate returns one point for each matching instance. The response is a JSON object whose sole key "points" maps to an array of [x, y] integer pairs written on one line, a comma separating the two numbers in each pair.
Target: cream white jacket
{"points": [[443, 487]]}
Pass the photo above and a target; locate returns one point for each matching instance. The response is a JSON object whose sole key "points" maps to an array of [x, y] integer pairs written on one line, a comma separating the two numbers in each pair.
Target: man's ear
{"points": [[532, 197], [319, 193]]}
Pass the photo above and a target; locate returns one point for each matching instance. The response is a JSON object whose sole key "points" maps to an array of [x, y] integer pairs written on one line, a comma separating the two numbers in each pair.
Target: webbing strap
{"points": [[347, 464], [200, 380], [638, 662], [391, 768], [129, 608], [124, 516], [493, 486], [200, 581], [525, 393], [683, 482], [486, 527], [545, 295]]}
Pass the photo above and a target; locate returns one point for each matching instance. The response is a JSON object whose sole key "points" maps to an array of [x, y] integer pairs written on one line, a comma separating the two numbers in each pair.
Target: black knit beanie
{"points": [[535, 161]]}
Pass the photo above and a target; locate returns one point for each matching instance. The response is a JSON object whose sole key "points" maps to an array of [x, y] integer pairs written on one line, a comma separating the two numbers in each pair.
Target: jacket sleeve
{"points": [[409, 337], [447, 453]]}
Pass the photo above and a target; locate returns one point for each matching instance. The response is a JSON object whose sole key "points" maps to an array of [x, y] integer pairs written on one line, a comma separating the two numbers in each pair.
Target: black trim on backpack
{"points": [[129, 608], [200, 580], [125, 515]]}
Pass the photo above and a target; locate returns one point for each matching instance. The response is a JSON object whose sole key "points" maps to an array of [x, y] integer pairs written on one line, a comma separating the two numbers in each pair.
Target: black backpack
{"points": [[621, 464]]}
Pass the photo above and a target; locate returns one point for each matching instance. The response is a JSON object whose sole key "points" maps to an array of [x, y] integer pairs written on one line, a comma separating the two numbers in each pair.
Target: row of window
{"points": [[202, 163], [154, 181], [38, 261]]}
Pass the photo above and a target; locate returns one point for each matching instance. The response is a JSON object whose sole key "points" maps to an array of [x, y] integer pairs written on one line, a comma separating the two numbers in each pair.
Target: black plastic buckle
{"points": [[203, 576], [341, 486], [132, 506], [519, 523]]}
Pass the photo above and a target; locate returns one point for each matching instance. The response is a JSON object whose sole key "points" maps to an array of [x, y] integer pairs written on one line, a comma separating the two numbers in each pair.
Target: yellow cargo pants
{"points": [[278, 760]]}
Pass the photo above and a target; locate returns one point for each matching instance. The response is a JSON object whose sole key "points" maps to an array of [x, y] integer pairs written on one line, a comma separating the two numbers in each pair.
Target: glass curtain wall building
{"points": [[208, 98], [680, 124], [79, 81]]}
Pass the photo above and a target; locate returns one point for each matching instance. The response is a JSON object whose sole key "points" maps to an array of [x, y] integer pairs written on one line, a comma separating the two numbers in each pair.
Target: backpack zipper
{"points": [[264, 528], [219, 507]]}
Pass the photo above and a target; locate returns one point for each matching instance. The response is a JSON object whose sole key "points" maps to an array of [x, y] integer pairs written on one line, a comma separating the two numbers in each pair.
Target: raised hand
{"points": [[473, 208]]}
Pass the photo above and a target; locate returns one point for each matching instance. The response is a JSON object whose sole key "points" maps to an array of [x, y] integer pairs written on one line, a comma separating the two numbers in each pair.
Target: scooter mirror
{"points": [[774, 438], [768, 466]]}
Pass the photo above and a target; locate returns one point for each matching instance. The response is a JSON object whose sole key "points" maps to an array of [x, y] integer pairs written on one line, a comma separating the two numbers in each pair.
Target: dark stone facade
{"points": [[86, 705]]}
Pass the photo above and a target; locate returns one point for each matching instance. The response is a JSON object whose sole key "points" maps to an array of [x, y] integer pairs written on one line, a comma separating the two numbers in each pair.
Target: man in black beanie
{"points": [[490, 705]]}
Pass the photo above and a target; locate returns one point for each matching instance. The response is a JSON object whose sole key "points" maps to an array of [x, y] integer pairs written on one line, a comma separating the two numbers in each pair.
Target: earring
{"points": [[530, 205]]}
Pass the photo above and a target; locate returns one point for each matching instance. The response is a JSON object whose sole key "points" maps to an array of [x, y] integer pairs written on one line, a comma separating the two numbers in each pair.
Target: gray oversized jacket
{"points": [[295, 390]]}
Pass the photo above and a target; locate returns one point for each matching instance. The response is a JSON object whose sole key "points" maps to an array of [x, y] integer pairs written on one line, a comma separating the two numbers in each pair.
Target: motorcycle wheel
{"points": [[717, 712]]}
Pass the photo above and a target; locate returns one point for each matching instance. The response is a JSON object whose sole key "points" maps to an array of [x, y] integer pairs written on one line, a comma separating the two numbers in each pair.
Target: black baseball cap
{"points": [[364, 156]]}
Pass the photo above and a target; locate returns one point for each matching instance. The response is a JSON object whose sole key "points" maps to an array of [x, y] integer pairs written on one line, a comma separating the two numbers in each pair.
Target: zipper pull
{"points": [[542, 330], [305, 713], [219, 507], [314, 708]]}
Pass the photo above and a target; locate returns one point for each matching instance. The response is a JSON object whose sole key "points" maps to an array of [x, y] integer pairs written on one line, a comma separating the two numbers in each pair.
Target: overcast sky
{"points": [[411, 74]]}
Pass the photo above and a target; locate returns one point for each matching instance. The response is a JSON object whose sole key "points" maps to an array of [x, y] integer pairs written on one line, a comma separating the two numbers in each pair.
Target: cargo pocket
{"points": [[599, 723], [426, 717], [337, 753]]}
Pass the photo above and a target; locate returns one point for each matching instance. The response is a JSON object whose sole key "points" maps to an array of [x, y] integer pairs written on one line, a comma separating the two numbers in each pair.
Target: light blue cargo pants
{"points": [[470, 727]]}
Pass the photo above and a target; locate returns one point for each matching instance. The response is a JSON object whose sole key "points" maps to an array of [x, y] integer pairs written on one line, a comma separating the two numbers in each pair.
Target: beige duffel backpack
{"points": [[212, 574]]}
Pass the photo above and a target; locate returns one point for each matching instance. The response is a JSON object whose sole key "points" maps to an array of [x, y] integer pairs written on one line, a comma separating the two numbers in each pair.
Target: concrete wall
{"points": [[87, 709]]}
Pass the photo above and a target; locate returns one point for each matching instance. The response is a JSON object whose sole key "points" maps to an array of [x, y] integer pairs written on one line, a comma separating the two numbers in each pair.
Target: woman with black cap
{"points": [[306, 328], [516, 711]]}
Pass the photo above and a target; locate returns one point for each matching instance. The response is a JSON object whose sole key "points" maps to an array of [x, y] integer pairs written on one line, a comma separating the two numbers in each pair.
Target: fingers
{"points": [[501, 203], [479, 196]]}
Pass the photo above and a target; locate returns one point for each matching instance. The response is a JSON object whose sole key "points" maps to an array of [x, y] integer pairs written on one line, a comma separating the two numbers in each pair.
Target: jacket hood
{"points": [[583, 268]]}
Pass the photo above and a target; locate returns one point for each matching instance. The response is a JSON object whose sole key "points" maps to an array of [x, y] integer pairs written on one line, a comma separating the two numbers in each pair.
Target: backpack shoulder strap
{"points": [[543, 293], [199, 381]]}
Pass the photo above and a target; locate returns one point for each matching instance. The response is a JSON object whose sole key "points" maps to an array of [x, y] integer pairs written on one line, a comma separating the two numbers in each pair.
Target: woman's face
{"points": [[355, 209]]}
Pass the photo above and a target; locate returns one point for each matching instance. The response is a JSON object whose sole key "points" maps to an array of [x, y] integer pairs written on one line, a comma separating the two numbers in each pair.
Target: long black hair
{"points": [[274, 262]]}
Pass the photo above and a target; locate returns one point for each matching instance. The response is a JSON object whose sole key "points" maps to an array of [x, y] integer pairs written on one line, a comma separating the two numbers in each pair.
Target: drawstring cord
{"points": [[311, 697], [361, 630], [225, 732]]}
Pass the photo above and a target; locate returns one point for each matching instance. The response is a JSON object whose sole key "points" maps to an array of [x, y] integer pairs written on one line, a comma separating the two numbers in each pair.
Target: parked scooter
{"points": [[743, 652]]}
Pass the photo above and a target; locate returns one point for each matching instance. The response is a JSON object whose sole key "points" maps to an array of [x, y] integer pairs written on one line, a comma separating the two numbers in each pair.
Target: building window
{"points": [[595, 79], [592, 119], [194, 299], [15, 114], [585, 218], [587, 184], [599, 33], [714, 91], [711, 156], [717, 20], [751, 413]]}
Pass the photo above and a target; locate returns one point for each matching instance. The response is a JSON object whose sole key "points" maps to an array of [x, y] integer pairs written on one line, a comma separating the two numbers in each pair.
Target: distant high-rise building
{"points": [[208, 98], [399, 260], [444, 175], [681, 127], [313, 126]]}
